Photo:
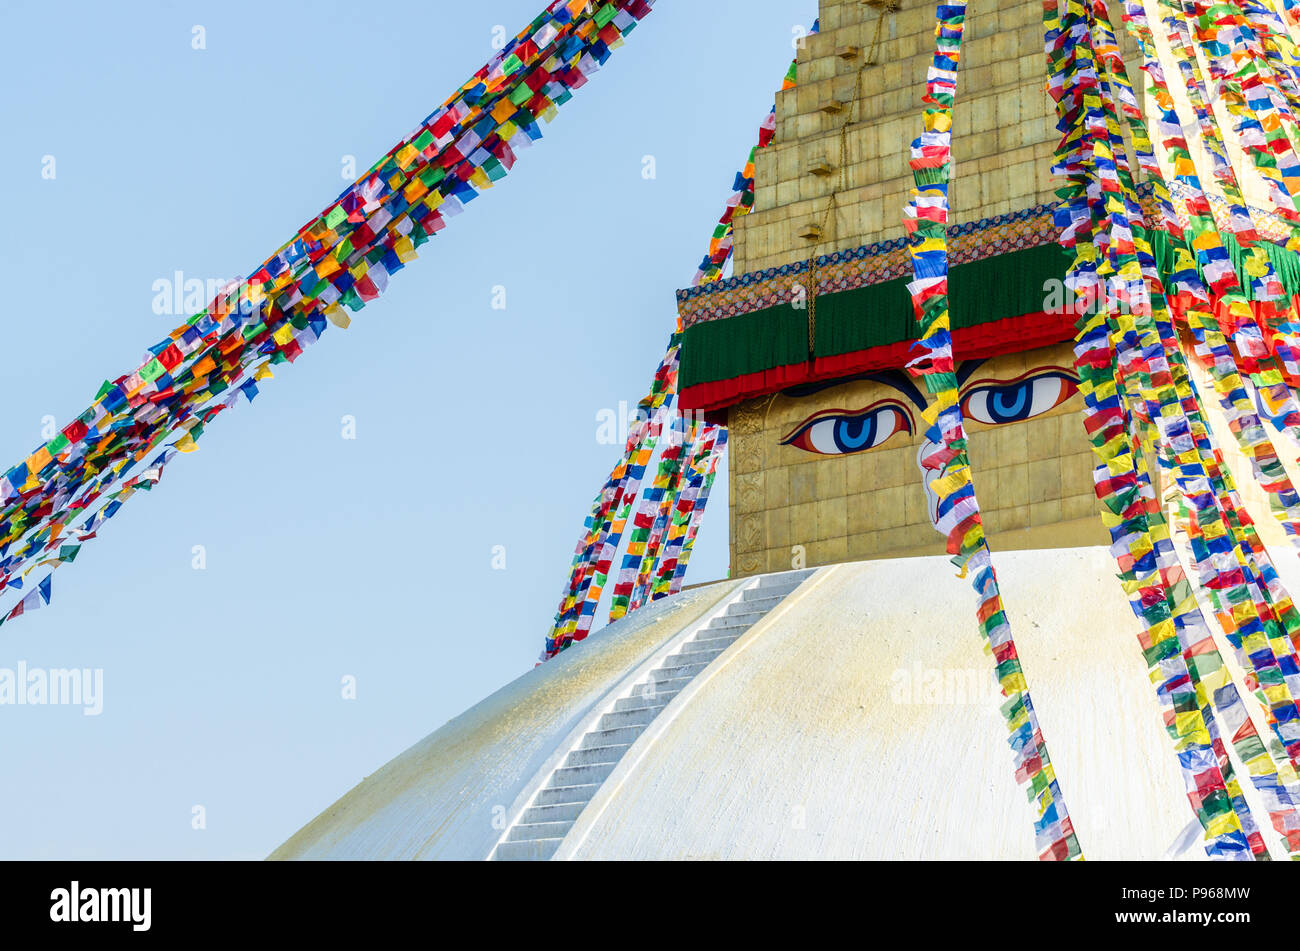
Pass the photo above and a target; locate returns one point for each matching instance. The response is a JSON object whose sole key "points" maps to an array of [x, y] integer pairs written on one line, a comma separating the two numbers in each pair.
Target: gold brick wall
{"points": [[790, 506], [1003, 134], [1034, 477]]}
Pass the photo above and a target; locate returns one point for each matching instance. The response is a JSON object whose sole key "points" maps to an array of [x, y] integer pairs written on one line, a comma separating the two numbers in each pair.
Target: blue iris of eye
{"points": [[1008, 404], [854, 433], [995, 403], [838, 434]]}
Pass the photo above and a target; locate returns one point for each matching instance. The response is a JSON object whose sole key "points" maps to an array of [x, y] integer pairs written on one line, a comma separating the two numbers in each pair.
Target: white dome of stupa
{"points": [[853, 717]]}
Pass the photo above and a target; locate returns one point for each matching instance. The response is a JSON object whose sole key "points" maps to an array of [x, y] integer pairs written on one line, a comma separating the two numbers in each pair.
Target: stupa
{"points": [[832, 698]]}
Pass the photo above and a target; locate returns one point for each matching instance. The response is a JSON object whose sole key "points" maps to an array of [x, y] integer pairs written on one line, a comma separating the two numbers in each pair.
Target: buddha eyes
{"points": [[836, 432], [995, 402]]}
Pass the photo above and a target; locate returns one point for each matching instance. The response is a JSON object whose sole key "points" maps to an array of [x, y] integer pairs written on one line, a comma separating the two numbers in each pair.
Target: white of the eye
{"points": [[821, 436], [888, 422], [1047, 390], [1044, 392]]}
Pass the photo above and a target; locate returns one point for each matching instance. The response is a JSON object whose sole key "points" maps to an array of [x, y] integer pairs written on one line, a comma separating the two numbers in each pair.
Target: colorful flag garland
{"points": [[655, 550], [339, 261], [944, 457], [1138, 393]]}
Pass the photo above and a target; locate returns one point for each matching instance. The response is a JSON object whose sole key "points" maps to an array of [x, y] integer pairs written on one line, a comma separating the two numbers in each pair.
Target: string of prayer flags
{"points": [[603, 528], [1084, 221], [658, 552], [1192, 300], [673, 517], [943, 455], [741, 201], [1139, 397], [339, 261], [689, 512], [1251, 94]]}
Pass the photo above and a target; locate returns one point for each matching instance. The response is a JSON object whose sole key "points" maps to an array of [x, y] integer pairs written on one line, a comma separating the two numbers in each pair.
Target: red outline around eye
{"points": [[1066, 372], [1068, 377], [898, 406]]}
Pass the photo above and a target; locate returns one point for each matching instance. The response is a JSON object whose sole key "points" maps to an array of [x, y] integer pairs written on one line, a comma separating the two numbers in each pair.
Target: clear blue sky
{"points": [[475, 427]]}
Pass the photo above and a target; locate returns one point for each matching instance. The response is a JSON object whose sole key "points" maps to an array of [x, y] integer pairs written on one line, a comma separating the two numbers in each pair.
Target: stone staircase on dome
{"points": [[542, 826]]}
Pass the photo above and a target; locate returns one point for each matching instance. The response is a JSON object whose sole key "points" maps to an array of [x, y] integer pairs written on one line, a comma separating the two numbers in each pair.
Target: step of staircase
{"points": [[641, 716], [658, 695], [697, 654], [565, 795], [581, 775], [798, 576], [640, 700], [705, 645], [677, 683], [529, 850], [756, 605], [621, 737], [523, 831], [688, 668], [596, 755], [542, 826], [761, 592], [565, 812], [733, 622]]}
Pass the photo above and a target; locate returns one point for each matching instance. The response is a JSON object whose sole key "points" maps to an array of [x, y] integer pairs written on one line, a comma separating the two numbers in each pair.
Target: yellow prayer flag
{"points": [[1221, 825], [38, 460], [406, 155]]}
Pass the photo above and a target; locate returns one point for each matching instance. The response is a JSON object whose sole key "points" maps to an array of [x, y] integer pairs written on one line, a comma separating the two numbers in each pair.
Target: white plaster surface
{"points": [[796, 747], [805, 740], [437, 799]]}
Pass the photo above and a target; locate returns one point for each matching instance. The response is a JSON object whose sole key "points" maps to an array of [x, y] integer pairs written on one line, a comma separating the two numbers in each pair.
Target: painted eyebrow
{"points": [[966, 369], [892, 378], [1035, 373], [897, 379]]}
